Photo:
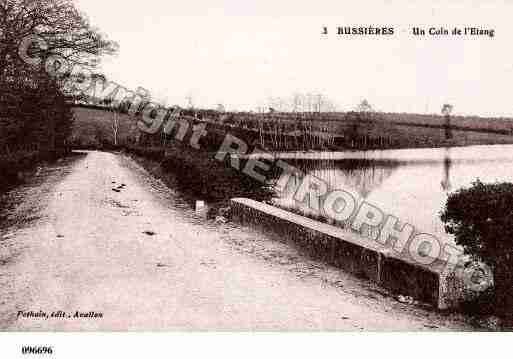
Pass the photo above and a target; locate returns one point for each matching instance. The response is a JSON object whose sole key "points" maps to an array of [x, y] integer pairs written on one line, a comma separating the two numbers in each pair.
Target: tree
{"points": [[33, 99], [115, 127], [364, 106], [446, 112], [114, 124], [447, 109], [481, 219], [37, 116], [190, 102], [65, 31], [297, 102], [220, 108]]}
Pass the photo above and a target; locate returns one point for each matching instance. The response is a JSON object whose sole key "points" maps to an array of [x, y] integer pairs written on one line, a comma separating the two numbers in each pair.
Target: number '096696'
{"points": [[40, 350]]}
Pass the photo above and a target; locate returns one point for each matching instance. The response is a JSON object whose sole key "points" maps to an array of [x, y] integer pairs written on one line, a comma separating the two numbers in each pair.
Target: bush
{"points": [[481, 219], [198, 174], [215, 181]]}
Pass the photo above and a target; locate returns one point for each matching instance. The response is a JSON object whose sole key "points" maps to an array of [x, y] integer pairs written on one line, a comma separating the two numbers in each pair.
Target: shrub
{"points": [[197, 172], [481, 219]]}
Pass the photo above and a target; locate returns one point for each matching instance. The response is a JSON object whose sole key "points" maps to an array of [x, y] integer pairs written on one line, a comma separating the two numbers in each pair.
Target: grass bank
{"points": [[198, 175]]}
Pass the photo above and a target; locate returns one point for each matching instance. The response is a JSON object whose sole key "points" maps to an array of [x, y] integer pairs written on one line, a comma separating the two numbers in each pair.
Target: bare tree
{"points": [[66, 32], [300, 103], [114, 120], [320, 102], [309, 101], [115, 126], [329, 106], [297, 102], [277, 104]]}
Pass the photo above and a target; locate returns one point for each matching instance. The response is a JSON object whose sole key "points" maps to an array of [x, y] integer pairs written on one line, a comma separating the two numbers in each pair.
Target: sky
{"points": [[240, 53]]}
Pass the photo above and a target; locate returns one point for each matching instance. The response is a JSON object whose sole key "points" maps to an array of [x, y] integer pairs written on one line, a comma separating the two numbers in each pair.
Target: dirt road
{"points": [[109, 239]]}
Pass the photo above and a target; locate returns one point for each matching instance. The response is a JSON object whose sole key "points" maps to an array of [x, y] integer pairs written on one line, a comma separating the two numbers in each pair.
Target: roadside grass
{"points": [[198, 174]]}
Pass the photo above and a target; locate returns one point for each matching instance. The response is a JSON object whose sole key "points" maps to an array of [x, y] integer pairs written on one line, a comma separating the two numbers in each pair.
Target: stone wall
{"points": [[355, 254]]}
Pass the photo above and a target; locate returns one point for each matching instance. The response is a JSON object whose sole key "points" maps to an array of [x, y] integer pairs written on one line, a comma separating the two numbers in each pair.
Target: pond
{"points": [[411, 184]]}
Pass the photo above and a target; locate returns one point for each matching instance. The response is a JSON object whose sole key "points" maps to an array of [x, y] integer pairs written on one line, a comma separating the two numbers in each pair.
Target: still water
{"points": [[411, 184]]}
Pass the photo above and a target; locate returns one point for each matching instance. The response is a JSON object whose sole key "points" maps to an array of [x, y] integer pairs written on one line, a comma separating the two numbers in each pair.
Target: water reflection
{"points": [[360, 177], [446, 181], [411, 184]]}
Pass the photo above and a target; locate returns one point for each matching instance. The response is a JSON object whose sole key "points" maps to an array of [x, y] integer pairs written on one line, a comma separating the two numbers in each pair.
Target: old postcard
{"points": [[253, 166]]}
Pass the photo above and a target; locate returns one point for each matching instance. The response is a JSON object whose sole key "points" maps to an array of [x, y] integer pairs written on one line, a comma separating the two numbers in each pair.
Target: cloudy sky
{"points": [[240, 53]]}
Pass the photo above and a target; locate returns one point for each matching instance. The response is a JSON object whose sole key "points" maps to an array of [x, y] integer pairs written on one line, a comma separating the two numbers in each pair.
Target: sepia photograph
{"points": [[255, 166]]}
